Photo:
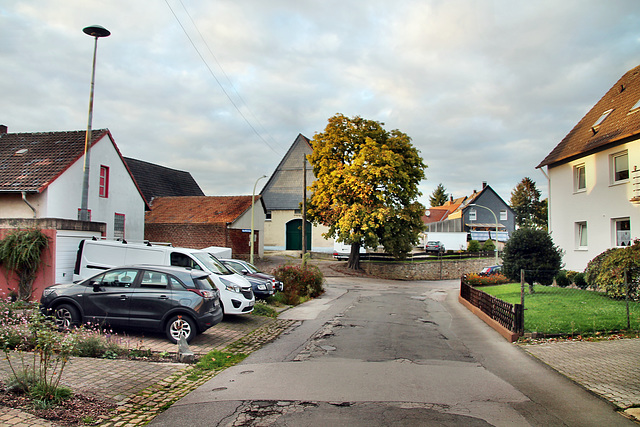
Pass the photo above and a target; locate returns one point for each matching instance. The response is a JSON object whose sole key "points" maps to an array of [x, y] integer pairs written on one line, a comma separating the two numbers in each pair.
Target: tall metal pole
{"points": [[95, 31], [304, 206], [253, 202]]}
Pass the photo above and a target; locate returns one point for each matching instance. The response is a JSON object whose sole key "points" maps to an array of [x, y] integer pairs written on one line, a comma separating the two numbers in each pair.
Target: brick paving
{"points": [[142, 389], [608, 368]]}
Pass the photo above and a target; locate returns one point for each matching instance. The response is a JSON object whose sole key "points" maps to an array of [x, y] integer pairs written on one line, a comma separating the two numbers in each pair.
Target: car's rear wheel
{"points": [[181, 326], [66, 316]]}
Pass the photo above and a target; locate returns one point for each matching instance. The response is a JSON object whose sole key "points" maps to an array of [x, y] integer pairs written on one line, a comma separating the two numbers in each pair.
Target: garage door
{"points": [[66, 249]]}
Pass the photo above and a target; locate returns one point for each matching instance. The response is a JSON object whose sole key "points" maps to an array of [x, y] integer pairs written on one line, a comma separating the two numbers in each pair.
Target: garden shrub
{"points": [[299, 282], [606, 272], [580, 281], [473, 246], [475, 279], [562, 280], [488, 246], [571, 275]]}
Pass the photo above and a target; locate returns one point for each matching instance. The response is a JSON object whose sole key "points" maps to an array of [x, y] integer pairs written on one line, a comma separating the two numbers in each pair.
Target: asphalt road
{"points": [[372, 352]]}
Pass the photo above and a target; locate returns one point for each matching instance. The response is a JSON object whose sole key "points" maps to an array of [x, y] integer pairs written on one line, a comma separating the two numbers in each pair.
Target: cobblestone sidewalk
{"points": [[142, 389], [609, 369]]}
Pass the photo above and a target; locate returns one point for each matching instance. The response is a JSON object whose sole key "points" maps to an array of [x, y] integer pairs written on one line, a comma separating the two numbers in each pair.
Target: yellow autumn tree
{"points": [[366, 186]]}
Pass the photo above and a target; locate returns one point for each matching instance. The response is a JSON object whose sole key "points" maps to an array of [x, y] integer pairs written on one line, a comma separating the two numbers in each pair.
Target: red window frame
{"points": [[104, 181]]}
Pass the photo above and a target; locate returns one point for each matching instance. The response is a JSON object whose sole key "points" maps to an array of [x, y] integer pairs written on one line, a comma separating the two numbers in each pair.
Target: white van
{"points": [[95, 256]]}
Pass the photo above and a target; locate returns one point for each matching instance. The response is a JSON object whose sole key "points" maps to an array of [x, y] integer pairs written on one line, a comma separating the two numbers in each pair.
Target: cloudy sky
{"points": [[221, 88]]}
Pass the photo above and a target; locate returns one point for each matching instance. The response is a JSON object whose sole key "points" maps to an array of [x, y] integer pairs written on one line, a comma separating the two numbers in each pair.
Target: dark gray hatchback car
{"points": [[179, 301]]}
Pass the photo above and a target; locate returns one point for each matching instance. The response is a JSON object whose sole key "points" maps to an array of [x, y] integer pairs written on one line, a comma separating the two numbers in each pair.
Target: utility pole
{"points": [[304, 205]]}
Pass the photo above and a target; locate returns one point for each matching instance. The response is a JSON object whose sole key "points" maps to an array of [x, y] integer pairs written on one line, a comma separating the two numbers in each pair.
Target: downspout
{"points": [[548, 199], [24, 198]]}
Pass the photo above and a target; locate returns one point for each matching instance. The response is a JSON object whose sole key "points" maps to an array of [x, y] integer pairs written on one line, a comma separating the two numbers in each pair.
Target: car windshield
{"points": [[212, 263], [432, 243], [252, 268]]}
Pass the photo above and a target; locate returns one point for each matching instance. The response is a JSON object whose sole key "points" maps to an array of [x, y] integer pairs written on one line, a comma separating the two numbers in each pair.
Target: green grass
{"points": [[553, 310], [215, 360]]}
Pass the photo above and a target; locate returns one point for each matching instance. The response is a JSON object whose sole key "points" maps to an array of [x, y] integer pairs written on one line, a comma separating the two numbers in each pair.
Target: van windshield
{"points": [[211, 263]]}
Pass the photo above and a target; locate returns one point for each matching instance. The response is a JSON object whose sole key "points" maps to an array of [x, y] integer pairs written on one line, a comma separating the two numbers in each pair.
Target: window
{"points": [[635, 107], [619, 167], [622, 231], [472, 215], [88, 212], [104, 181], [579, 178], [581, 235], [503, 215], [118, 226], [602, 118], [268, 216]]}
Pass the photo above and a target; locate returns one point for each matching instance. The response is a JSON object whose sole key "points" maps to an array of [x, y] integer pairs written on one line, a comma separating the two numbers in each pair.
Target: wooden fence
{"points": [[511, 316]]}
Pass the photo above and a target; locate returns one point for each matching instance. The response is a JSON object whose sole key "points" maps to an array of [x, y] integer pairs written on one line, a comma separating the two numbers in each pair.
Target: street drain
{"points": [[246, 372]]}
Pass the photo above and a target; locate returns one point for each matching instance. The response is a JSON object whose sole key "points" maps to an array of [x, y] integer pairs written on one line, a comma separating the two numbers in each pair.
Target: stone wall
{"points": [[426, 270]]}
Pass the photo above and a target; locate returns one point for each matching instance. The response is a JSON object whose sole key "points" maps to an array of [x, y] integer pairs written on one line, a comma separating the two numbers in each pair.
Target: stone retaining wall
{"points": [[426, 270]]}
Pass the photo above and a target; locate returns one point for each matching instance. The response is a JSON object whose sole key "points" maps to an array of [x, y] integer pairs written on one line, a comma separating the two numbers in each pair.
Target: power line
{"points": [[218, 81]]}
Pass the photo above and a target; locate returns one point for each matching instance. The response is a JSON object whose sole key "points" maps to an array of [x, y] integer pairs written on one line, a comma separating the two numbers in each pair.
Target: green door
{"points": [[294, 235]]}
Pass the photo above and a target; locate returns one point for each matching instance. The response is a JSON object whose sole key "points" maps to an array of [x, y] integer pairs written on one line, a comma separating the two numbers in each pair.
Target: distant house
{"points": [[200, 222], [41, 177], [282, 196], [594, 180], [160, 181], [483, 215]]}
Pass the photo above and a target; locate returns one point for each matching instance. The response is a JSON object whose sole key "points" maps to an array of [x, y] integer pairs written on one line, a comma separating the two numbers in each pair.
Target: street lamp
{"points": [[496, 218], [95, 31], [253, 201]]}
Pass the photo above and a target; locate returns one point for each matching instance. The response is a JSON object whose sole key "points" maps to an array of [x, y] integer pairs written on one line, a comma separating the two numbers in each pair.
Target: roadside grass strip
{"points": [[568, 311]]}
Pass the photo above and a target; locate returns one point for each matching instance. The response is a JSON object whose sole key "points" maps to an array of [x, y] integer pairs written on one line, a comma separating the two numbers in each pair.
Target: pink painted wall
{"points": [[46, 273]]}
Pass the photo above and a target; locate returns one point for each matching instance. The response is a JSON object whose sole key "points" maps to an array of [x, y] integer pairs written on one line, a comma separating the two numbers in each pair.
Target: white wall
{"points": [[275, 231], [244, 223], [63, 198], [598, 205]]}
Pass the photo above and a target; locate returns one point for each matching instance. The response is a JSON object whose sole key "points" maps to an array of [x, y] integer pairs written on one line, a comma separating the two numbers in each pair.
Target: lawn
{"points": [[554, 310]]}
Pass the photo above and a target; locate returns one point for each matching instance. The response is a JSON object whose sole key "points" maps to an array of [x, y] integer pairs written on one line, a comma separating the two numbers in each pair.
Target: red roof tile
{"points": [[198, 210], [32, 161], [621, 123]]}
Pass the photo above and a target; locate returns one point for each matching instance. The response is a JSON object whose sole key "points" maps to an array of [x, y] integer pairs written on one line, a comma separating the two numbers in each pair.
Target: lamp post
{"points": [[496, 218], [253, 202], [95, 31]]}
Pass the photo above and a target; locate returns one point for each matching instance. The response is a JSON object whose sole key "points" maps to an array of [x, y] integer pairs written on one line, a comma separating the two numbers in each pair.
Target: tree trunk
{"points": [[354, 257]]}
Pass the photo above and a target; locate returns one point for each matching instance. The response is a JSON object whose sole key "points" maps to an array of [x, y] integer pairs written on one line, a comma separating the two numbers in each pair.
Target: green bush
{"points": [[580, 281], [533, 251], [488, 246], [299, 282], [473, 246], [562, 280], [607, 271]]}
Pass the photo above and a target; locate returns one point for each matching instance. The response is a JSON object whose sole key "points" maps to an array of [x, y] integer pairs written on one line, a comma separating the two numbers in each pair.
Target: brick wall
{"points": [[200, 236], [426, 270]]}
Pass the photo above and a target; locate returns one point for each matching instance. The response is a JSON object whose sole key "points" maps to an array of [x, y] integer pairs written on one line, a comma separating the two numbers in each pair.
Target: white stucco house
{"points": [[41, 176], [594, 180]]}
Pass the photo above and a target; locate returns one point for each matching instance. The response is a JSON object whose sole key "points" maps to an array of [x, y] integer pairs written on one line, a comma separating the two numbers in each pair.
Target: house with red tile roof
{"points": [[202, 221], [41, 177], [594, 180]]}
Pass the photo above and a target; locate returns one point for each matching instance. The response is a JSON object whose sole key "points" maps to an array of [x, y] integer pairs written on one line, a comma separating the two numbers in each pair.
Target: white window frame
{"points": [[612, 167], [503, 215], [579, 185], [621, 235], [582, 232]]}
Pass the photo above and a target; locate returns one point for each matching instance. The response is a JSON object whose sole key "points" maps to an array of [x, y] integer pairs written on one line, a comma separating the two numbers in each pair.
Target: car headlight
{"points": [[230, 286], [262, 287], [47, 291]]}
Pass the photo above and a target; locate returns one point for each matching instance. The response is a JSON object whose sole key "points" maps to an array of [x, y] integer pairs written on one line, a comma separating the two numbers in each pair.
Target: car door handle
{"points": [[163, 297], [123, 297]]}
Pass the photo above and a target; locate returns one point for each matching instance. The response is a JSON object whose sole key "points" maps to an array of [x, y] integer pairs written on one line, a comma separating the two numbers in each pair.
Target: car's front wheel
{"points": [[181, 326], [66, 316]]}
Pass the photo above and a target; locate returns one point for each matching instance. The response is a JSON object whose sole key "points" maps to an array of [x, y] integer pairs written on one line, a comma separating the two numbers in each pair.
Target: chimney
{"points": [[484, 184], [3, 129]]}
